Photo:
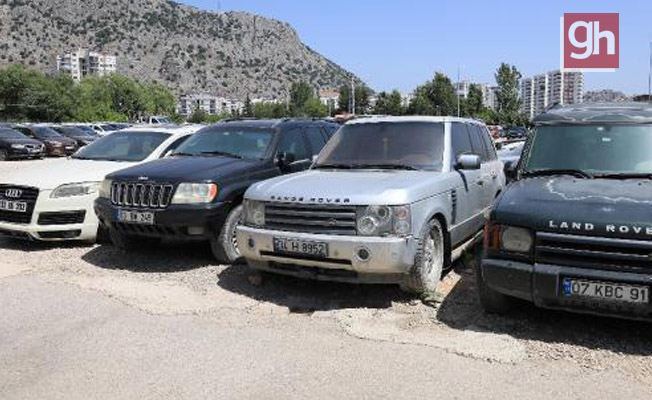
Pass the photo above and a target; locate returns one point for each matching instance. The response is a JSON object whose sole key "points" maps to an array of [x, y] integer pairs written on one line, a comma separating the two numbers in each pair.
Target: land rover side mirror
{"points": [[283, 159], [468, 161], [511, 170]]}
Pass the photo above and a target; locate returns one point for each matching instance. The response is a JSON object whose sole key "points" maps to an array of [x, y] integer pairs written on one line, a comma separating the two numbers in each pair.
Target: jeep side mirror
{"points": [[283, 159], [468, 161]]}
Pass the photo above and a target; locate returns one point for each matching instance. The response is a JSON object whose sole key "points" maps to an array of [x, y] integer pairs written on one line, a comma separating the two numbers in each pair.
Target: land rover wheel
{"points": [[3, 155], [492, 301], [224, 244], [122, 241], [429, 261]]}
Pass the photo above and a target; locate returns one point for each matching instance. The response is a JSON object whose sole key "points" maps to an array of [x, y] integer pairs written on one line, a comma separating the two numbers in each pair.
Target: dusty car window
{"points": [[241, 142], [418, 145], [595, 148], [123, 146]]}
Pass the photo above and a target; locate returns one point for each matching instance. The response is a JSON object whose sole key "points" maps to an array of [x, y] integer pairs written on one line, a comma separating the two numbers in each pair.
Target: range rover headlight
{"points": [[75, 189], [383, 220], [254, 213], [105, 188], [195, 193], [517, 240]]}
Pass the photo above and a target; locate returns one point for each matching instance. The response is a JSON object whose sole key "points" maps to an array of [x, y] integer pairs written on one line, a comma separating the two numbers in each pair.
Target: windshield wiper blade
{"points": [[335, 166], [547, 172], [386, 166], [183, 154], [221, 153], [626, 175]]}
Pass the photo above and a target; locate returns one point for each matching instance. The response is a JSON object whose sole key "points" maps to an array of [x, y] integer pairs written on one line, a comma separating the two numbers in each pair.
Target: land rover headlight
{"points": [[254, 213], [382, 220], [105, 188], [195, 193], [518, 240], [75, 189]]}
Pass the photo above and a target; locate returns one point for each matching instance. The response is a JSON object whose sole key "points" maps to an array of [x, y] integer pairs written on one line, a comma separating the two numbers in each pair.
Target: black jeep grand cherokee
{"points": [[196, 193], [574, 231]]}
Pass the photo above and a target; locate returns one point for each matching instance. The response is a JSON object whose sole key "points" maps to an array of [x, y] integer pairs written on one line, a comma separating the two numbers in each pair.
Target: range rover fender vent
{"points": [[454, 206]]}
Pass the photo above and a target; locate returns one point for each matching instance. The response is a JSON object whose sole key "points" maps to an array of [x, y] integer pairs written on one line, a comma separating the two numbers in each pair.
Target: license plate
{"points": [[136, 217], [15, 206], [315, 249], [608, 291]]}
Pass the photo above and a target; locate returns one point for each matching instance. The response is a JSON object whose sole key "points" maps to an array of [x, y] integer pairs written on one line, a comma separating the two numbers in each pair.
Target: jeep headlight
{"points": [[75, 189], [254, 213], [105, 188], [383, 220], [195, 193]]}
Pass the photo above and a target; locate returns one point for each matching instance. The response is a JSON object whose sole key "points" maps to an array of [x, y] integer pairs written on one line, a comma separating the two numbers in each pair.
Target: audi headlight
{"points": [[105, 188], [195, 193], [382, 220], [75, 189], [17, 146], [254, 213]]}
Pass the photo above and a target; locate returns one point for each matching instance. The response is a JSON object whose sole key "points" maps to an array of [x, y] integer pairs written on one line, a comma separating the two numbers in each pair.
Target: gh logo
{"points": [[590, 41]]}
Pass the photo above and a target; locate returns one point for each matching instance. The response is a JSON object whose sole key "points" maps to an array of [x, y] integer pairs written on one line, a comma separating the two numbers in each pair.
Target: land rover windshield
{"points": [[595, 150], [385, 145]]}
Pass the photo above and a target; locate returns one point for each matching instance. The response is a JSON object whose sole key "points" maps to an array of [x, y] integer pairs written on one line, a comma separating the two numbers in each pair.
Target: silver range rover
{"points": [[388, 200]]}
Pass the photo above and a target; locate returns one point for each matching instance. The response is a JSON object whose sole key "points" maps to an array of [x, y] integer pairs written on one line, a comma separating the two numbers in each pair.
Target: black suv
{"points": [[55, 144], [15, 145], [574, 231], [196, 193]]}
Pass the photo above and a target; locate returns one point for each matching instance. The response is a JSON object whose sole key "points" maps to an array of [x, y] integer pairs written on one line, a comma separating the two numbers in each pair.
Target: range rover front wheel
{"points": [[429, 261], [224, 244]]}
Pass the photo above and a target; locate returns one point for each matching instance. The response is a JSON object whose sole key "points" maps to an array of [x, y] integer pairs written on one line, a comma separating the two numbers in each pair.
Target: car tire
{"points": [[223, 243], [122, 241], [428, 262], [3, 155], [492, 302]]}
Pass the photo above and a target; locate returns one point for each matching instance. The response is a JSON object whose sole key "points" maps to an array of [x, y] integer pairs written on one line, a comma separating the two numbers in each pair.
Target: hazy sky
{"points": [[400, 44]]}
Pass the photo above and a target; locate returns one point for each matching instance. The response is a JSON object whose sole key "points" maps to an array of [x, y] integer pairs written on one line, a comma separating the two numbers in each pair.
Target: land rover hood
{"points": [[360, 187], [595, 207]]}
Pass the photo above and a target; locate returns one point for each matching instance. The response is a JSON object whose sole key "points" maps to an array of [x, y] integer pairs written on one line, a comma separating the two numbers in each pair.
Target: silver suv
{"points": [[388, 200]]}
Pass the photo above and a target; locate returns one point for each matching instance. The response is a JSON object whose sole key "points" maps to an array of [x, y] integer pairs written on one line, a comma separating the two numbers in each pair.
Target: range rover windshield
{"points": [[595, 150], [123, 146], [385, 145], [234, 142]]}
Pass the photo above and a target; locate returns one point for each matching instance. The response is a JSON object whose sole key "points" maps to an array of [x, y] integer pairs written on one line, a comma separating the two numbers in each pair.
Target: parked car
{"points": [[55, 201], [103, 129], [574, 231], [196, 194], [15, 145], [158, 119], [56, 145], [389, 200], [82, 137]]}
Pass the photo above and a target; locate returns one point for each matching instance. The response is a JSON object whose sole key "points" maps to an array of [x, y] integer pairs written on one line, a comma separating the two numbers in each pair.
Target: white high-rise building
{"points": [[211, 105], [462, 89], [554, 87], [83, 63]]}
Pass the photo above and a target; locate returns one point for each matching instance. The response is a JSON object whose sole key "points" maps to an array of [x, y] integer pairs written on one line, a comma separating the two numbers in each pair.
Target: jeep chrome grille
{"points": [[141, 195], [311, 218]]}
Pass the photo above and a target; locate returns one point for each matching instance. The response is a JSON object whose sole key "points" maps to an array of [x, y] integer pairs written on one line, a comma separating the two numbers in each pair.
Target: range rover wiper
{"points": [[547, 172], [335, 166], [386, 166], [221, 153], [183, 154], [626, 175]]}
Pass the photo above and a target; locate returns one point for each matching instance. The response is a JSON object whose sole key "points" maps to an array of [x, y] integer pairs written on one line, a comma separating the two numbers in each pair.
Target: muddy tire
{"points": [[3, 155], [223, 244], [429, 261], [492, 302], [122, 241]]}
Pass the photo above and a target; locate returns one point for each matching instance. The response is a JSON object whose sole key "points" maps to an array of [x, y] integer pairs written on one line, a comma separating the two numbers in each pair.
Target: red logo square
{"points": [[590, 40]]}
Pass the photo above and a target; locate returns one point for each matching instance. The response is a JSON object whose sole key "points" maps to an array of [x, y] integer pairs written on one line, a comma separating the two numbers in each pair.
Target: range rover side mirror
{"points": [[468, 161], [283, 159]]}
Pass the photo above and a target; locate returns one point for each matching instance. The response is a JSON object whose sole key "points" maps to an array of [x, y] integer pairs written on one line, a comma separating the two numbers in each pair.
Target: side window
{"points": [[489, 144], [460, 142], [174, 145], [24, 131], [292, 142], [329, 130], [315, 138], [477, 143]]}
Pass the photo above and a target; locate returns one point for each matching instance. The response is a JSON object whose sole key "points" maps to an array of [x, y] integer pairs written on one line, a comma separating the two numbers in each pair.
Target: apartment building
{"points": [[554, 87], [210, 104], [462, 89], [82, 63]]}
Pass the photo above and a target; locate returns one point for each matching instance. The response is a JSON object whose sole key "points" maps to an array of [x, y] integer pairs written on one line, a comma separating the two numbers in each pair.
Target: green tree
{"points": [[474, 103], [300, 93], [507, 96], [436, 97], [362, 95], [157, 99], [389, 103], [248, 110], [198, 116], [314, 108]]}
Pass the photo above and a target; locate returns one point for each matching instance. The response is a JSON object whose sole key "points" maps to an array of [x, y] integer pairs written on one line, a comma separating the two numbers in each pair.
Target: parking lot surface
{"points": [[85, 321]]}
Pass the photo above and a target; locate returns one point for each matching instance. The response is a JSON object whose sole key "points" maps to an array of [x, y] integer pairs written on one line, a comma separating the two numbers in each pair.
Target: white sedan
{"points": [[54, 201]]}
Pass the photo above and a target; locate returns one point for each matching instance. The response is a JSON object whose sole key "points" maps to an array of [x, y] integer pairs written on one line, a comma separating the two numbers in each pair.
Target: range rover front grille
{"points": [[141, 195], [27, 195], [594, 252], [317, 218]]}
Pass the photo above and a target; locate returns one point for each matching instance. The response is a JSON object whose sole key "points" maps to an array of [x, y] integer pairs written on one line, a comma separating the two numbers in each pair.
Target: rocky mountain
{"points": [[605, 95], [228, 54]]}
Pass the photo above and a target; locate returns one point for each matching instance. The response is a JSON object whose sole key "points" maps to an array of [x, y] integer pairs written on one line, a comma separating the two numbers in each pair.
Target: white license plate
{"points": [[15, 206], [315, 249], [136, 217], [606, 291]]}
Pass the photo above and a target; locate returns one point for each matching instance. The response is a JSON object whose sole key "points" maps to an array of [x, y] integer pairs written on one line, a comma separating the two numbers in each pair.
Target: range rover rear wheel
{"points": [[224, 244], [492, 301], [429, 261], [122, 241]]}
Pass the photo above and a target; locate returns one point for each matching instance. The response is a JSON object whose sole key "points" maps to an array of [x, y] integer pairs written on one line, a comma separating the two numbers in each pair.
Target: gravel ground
{"points": [[181, 279]]}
